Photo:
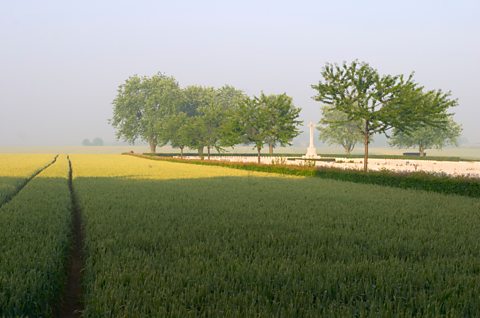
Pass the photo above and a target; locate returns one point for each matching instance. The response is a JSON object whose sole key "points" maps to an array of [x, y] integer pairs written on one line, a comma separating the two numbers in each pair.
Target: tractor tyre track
{"points": [[72, 298]]}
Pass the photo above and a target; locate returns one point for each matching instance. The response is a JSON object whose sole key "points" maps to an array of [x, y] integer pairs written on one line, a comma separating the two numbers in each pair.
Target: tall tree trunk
{"points": [[366, 141], [421, 150], [200, 152], [181, 152], [208, 150], [270, 149], [153, 145], [258, 152]]}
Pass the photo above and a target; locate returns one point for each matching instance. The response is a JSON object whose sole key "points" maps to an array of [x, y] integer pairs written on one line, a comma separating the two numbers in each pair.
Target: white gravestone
{"points": [[311, 151]]}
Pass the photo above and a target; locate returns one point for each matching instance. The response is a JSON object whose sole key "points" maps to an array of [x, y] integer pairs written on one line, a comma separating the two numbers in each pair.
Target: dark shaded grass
{"points": [[277, 247]]}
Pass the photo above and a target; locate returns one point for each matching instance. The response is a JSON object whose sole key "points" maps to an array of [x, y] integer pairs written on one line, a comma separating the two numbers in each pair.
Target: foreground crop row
{"points": [[34, 236]]}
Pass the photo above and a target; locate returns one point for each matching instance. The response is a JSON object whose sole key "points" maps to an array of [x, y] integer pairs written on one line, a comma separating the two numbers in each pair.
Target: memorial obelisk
{"points": [[311, 151]]}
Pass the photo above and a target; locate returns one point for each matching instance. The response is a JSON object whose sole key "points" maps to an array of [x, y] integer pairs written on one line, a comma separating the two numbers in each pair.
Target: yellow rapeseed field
{"points": [[122, 166], [16, 168], [22, 165], [58, 170]]}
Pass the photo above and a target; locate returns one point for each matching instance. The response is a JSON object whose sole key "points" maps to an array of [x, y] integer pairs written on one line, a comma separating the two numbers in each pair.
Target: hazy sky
{"points": [[62, 61]]}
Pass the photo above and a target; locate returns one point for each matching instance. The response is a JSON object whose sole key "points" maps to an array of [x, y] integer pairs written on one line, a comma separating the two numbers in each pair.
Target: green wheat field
{"points": [[166, 239]]}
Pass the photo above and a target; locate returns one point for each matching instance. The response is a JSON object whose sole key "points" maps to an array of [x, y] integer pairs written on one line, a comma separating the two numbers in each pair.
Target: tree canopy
{"points": [[382, 102], [143, 105], [178, 130], [428, 137], [282, 119], [336, 128], [252, 123], [202, 118], [265, 120]]}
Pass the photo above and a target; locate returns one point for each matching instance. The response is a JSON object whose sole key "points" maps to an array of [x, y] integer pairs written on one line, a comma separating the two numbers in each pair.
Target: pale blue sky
{"points": [[61, 61]]}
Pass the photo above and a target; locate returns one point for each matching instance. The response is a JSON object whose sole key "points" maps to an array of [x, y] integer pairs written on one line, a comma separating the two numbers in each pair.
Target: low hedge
{"points": [[340, 155], [408, 180], [227, 154]]}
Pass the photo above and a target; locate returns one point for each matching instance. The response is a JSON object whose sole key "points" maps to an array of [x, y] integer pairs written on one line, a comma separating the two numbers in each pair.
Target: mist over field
{"points": [[61, 62]]}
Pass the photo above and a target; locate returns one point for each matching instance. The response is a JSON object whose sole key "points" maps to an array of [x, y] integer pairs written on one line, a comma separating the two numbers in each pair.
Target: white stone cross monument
{"points": [[311, 151]]}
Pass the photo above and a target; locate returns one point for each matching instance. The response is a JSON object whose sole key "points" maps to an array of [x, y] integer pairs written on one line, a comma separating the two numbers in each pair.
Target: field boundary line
{"points": [[72, 297], [24, 183]]}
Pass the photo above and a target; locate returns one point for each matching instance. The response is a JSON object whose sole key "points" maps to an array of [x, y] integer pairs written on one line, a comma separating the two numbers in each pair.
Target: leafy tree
{"points": [[142, 105], [229, 98], [86, 142], [225, 103], [263, 120], [282, 119], [196, 133], [336, 128], [428, 137], [178, 131], [382, 102], [251, 123], [209, 110], [212, 119], [194, 98]]}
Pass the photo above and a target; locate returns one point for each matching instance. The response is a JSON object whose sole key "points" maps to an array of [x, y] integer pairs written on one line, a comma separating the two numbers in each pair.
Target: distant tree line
{"points": [[358, 102], [158, 111], [95, 142]]}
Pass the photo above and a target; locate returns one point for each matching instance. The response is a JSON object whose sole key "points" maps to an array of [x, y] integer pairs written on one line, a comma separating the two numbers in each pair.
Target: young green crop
{"points": [[15, 169], [218, 242], [34, 236]]}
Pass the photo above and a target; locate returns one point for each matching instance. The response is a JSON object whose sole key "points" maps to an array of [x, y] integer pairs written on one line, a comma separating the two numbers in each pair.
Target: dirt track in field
{"points": [[72, 299]]}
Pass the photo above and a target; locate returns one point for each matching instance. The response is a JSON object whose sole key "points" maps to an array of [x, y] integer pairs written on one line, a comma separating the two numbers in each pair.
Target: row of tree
{"points": [[358, 102], [157, 110]]}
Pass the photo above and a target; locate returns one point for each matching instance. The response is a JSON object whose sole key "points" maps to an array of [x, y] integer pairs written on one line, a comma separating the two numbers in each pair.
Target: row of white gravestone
{"points": [[311, 151]]}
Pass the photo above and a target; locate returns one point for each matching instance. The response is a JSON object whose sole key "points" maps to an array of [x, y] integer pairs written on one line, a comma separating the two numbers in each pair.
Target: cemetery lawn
{"points": [[183, 240]]}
